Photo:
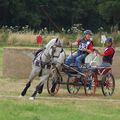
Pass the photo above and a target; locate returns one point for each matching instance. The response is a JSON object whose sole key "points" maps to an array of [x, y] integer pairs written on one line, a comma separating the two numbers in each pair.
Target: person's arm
{"points": [[87, 50], [101, 54], [107, 52], [74, 44], [90, 48]]}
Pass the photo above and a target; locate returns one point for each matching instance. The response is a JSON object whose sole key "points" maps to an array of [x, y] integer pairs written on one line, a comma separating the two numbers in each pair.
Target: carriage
{"points": [[89, 77]]}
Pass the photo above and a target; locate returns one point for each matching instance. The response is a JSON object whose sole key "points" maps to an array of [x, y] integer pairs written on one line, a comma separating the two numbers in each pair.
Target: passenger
{"points": [[107, 54], [85, 46]]}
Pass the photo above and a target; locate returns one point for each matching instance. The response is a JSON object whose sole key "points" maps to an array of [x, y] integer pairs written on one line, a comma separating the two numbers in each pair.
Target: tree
{"points": [[109, 10], [4, 12], [55, 14]]}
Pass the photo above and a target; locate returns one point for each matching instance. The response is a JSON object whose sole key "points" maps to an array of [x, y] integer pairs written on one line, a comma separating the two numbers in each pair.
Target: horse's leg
{"points": [[35, 71], [39, 87]]}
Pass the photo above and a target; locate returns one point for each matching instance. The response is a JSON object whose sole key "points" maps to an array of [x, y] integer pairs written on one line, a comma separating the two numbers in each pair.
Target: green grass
{"points": [[58, 110], [28, 38]]}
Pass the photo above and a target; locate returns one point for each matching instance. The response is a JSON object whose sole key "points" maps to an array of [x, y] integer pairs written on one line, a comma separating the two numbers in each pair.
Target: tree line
{"points": [[57, 14]]}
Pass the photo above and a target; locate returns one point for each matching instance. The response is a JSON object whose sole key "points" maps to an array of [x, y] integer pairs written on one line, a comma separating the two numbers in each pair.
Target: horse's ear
{"points": [[56, 40]]}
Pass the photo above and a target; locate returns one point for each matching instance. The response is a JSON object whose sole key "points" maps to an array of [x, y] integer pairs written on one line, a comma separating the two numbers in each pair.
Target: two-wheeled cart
{"points": [[88, 77]]}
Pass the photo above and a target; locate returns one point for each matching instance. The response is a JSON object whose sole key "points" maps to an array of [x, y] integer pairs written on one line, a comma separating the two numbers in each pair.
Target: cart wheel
{"points": [[90, 85], [53, 85], [73, 85], [108, 84]]}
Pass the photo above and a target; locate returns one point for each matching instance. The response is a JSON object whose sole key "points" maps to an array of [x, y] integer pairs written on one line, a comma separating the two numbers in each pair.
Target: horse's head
{"points": [[57, 56], [54, 47], [54, 52], [54, 42]]}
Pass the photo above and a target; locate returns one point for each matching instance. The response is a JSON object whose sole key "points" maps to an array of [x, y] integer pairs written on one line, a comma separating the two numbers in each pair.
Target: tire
{"points": [[73, 85], [90, 85], [108, 84], [53, 85]]}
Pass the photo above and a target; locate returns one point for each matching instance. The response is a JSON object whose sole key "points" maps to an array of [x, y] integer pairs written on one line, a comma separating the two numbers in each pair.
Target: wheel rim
{"points": [[53, 85], [108, 85], [73, 85], [90, 86]]}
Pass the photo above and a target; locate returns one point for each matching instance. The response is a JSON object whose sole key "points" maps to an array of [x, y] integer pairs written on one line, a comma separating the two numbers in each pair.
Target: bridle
{"points": [[54, 48]]}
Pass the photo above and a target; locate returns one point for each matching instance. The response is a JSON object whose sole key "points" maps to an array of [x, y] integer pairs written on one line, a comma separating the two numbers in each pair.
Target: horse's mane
{"points": [[50, 43], [54, 41]]}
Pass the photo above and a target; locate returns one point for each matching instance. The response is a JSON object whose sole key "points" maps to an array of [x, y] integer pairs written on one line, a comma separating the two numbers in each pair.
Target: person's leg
{"points": [[79, 60], [71, 58]]}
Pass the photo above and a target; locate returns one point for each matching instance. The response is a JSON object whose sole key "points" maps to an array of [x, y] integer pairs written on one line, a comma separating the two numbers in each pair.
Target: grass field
{"points": [[57, 110], [46, 107]]}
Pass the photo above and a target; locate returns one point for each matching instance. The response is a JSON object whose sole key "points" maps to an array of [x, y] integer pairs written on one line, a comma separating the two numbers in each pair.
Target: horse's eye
{"points": [[54, 48]]}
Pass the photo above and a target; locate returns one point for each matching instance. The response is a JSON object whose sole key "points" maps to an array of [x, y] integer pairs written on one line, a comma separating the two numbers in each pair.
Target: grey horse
{"points": [[52, 53]]}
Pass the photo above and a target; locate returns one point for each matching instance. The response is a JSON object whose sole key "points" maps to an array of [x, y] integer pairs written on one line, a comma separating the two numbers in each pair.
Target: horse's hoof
{"points": [[31, 98], [20, 96]]}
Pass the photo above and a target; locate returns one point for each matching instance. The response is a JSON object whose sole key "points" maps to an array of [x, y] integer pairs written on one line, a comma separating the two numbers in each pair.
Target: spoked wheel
{"points": [[53, 85], [73, 85], [90, 84], [108, 84]]}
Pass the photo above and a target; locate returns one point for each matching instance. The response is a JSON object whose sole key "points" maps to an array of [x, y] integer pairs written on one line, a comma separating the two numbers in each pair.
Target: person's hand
{"points": [[96, 50], [84, 49], [70, 45]]}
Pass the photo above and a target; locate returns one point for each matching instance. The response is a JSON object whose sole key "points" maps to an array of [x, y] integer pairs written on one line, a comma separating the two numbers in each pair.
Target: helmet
{"points": [[88, 32], [109, 40]]}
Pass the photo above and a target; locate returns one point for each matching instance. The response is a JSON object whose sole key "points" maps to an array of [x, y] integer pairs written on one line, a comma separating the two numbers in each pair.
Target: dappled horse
{"points": [[52, 53]]}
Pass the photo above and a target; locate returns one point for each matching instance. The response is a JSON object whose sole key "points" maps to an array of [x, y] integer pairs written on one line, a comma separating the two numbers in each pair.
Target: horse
{"points": [[52, 53]]}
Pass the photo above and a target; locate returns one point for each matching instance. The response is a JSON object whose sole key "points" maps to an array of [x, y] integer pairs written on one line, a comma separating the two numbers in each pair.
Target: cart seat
{"points": [[103, 70]]}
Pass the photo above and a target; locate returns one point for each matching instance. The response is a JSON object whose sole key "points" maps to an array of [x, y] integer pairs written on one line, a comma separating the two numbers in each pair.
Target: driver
{"points": [[85, 46], [107, 54]]}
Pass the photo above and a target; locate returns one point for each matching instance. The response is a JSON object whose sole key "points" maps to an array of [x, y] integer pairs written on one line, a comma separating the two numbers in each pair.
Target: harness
{"points": [[40, 52], [39, 62], [37, 53]]}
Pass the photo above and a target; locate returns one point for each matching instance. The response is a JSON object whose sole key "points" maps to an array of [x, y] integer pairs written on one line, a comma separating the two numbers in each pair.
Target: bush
{"points": [[21, 39], [26, 37], [4, 37], [116, 37]]}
